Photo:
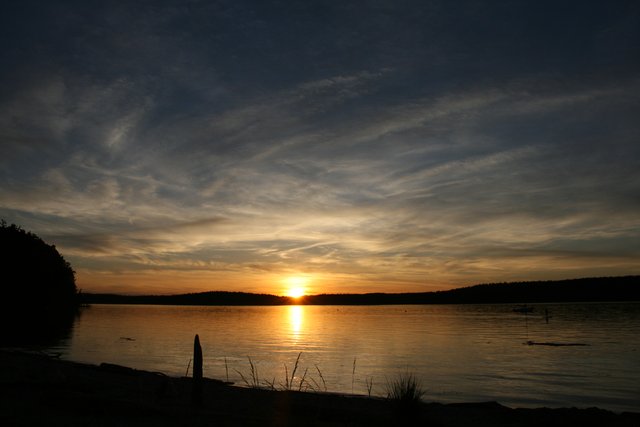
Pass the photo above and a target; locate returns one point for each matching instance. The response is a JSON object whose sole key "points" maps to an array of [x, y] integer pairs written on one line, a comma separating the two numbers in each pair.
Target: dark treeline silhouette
{"points": [[625, 288], [39, 294], [204, 298]]}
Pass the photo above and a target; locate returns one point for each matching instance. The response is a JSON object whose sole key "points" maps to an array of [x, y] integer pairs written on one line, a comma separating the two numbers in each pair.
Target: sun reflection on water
{"points": [[296, 319]]}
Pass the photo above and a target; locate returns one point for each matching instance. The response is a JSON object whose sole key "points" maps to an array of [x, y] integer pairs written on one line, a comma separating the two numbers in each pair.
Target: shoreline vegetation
{"points": [[40, 390], [600, 289], [39, 294]]}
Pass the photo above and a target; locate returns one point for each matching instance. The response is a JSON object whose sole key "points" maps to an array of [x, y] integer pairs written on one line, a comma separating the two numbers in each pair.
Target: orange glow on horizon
{"points": [[284, 283]]}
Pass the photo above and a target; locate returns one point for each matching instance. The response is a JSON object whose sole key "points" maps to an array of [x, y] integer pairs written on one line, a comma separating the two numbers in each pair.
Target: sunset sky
{"points": [[335, 146]]}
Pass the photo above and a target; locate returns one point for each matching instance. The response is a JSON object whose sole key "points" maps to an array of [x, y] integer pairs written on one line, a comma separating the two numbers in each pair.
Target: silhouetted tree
{"points": [[39, 297]]}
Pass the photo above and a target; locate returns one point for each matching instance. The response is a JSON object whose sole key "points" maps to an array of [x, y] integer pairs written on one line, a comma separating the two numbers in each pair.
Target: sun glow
{"points": [[296, 286]]}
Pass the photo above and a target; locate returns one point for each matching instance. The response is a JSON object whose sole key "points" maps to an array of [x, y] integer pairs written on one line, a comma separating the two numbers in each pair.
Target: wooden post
{"points": [[196, 392]]}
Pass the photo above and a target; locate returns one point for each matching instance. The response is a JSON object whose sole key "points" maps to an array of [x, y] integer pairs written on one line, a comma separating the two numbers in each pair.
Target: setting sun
{"points": [[296, 292], [296, 286]]}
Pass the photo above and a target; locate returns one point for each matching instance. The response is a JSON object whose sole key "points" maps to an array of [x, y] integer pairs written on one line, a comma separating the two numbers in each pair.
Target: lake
{"points": [[460, 353]]}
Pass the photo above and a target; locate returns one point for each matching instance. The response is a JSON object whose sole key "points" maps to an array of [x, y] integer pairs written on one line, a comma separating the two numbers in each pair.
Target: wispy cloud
{"points": [[389, 152]]}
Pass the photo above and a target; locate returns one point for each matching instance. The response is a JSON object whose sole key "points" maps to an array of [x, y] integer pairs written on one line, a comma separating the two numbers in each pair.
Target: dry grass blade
{"points": [[295, 368], [302, 380], [353, 375], [324, 384], [254, 381]]}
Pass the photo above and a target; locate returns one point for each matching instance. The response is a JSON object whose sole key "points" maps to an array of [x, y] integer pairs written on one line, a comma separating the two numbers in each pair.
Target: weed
{"points": [[254, 381], [353, 374], [324, 384], [406, 389], [369, 381], [302, 380], [288, 382], [186, 374], [271, 385]]}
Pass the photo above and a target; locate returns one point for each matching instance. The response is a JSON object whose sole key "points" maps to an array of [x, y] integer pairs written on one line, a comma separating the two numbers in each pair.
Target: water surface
{"points": [[461, 353]]}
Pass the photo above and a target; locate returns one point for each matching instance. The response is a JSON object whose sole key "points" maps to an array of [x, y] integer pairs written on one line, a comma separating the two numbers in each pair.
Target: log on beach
{"points": [[36, 390]]}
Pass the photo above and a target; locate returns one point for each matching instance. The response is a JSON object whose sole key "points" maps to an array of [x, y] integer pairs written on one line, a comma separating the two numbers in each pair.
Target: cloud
{"points": [[402, 147]]}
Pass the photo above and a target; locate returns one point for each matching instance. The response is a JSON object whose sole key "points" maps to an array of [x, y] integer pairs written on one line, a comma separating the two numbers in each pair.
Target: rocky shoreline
{"points": [[38, 390]]}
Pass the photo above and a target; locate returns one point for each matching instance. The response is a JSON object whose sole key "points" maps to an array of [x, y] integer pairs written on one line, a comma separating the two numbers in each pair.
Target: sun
{"points": [[296, 286], [296, 292]]}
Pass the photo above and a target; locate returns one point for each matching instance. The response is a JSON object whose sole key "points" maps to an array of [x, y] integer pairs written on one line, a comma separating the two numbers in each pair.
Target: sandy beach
{"points": [[39, 390]]}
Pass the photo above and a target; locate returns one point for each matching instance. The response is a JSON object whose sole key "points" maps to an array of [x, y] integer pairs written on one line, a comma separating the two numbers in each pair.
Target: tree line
{"points": [[39, 293], [623, 288]]}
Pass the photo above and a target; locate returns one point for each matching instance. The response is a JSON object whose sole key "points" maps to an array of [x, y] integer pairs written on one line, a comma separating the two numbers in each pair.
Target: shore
{"points": [[37, 390]]}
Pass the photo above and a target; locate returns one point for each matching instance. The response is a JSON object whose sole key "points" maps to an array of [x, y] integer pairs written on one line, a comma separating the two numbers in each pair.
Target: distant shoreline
{"points": [[598, 289]]}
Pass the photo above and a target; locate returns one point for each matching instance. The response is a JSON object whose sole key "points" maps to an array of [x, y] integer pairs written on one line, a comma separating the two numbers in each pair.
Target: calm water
{"points": [[461, 353]]}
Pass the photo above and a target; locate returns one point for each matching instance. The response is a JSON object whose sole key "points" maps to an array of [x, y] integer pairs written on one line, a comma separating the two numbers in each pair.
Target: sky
{"points": [[335, 146]]}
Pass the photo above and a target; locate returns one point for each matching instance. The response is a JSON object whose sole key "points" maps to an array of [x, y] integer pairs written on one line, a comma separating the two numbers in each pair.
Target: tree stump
{"points": [[196, 391]]}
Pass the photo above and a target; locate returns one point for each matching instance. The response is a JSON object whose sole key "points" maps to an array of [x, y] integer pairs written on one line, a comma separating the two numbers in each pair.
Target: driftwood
{"points": [[557, 344]]}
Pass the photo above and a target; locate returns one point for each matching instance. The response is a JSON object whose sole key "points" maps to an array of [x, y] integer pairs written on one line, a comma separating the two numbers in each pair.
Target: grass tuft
{"points": [[288, 381], [406, 389]]}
